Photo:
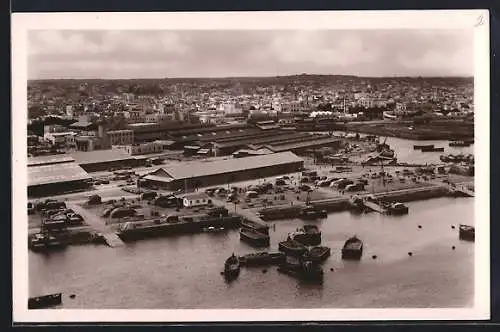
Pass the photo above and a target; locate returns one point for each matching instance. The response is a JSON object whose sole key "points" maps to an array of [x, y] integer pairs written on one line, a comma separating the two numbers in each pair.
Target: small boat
{"points": [[264, 229], [432, 149], [459, 143], [40, 241], [261, 259], [353, 248], [308, 235], [213, 229], [318, 254], [232, 267], [45, 301], [304, 271], [311, 213], [292, 247], [466, 232], [396, 209], [420, 147], [254, 237]]}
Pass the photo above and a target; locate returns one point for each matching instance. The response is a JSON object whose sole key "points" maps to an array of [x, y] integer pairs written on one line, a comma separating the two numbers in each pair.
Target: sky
{"points": [[125, 54]]}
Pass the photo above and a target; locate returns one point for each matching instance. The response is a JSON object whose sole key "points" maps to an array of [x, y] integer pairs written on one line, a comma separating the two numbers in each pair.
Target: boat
{"points": [[420, 147], [173, 224], [353, 248], [459, 143], [432, 149], [292, 247], [466, 232], [262, 259], [311, 213], [387, 153], [264, 229], [396, 208], [318, 254], [232, 267], [40, 242], [254, 237], [44, 301], [308, 235], [304, 270], [213, 229]]}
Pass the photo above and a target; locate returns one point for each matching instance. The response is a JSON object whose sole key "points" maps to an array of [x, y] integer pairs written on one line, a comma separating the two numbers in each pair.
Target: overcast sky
{"points": [[157, 54]]}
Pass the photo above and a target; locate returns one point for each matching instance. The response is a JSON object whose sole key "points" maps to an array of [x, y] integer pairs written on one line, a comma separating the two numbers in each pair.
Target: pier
{"points": [[108, 234], [374, 207]]}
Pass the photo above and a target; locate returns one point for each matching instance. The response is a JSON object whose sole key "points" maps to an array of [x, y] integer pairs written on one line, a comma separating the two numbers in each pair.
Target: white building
{"points": [[121, 137], [195, 199], [141, 149]]}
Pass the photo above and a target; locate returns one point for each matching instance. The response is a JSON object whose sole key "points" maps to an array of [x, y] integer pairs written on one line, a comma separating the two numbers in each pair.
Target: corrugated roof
{"points": [[297, 145], [56, 173], [99, 156], [52, 159], [197, 169]]}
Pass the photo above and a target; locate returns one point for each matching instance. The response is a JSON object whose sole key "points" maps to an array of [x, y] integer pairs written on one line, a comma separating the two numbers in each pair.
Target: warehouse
{"points": [[103, 160], [302, 146], [193, 175], [50, 175]]}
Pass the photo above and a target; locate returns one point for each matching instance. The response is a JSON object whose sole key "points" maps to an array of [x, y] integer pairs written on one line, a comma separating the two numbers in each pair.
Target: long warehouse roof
{"points": [[198, 169], [56, 173]]}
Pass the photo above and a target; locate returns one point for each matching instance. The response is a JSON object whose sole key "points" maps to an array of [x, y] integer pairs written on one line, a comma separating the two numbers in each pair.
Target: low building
{"points": [[121, 137], [140, 149], [195, 199], [193, 175]]}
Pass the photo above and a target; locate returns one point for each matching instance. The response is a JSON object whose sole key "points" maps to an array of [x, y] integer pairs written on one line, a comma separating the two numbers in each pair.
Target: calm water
{"points": [[184, 272]]}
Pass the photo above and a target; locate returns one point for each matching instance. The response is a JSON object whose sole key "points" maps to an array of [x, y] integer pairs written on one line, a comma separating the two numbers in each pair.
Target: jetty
{"points": [[374, 207], [462, 190], [108, 234]]}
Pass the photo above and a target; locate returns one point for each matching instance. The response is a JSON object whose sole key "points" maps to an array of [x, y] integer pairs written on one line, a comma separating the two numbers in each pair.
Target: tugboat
{"points": [[312, 213], [254, 237], [292, 247], [308, 235], [45, 241], [353, 248], [232, 267], [318, 254], [466, 232], [304, 270], [45, 301], [396, 209]]}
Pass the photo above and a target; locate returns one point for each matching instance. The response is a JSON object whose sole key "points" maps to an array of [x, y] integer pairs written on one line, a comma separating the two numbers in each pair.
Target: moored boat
{"points": [[292, 247], [420, 147], [459, 143], [261, 259], [311, 213], [254, 237], [352, 249], [432, 149], [232, 267], [308, 235], [318, 254], [44, 301], [264, 229], [303, 270], [41, 242], [466, 232], [213, 229], [396, 209]]}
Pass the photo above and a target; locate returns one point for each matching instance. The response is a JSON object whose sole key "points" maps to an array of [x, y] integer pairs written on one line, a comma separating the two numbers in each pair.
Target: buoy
{"points": [[331, 269], [452, 226], [419, 226], [410, 253], [72, 296], [453, 247], [374, 256]]}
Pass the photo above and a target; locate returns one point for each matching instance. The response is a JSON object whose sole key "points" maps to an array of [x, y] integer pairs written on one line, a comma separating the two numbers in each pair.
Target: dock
{"points": [[374, 207], [108, 234], [464, 190]]}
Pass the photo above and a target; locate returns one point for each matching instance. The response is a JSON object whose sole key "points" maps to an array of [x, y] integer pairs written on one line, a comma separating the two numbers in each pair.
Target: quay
{"points": [[107, 233]]}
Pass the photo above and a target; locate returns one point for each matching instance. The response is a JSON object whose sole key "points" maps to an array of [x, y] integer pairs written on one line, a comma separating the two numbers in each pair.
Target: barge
{"points": [[318, 254], [308, 235], [232, 267], [45, 241], [396, 209], [291, 247], [275, 213], [262, 259], [432, 149], [459, 143], [44, 301], [352, 249], [420, 147], [466, 232], [135, 230], [254, 237], [249, 224]]}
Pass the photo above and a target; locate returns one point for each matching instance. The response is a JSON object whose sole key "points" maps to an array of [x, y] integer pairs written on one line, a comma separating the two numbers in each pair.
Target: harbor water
{"points": [[184, 271]]}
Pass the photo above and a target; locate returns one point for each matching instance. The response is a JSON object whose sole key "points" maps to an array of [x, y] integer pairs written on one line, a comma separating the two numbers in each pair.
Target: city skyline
{"points": [[83, 54]]}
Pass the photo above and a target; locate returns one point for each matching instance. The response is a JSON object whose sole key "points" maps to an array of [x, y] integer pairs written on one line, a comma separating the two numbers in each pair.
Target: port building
{"points": [[102, 160], [192, 175], [50, 175]]}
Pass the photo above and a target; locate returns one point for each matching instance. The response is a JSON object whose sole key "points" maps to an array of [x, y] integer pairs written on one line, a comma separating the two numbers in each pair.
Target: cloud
{"points": [[131, 54]]}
